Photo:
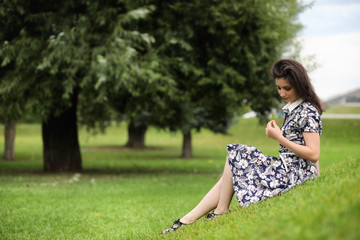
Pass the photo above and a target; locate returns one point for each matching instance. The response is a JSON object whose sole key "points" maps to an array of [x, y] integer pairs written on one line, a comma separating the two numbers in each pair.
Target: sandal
{"points": [[213, 215], [177, 224]]}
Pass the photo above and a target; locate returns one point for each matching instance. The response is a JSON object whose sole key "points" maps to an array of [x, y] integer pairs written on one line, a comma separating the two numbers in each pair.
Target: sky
{"points": [[331, 35]]}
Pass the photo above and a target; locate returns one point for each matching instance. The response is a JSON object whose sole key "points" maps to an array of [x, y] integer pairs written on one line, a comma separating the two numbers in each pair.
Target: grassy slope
{"points": [[326, 208], [137, 194]]}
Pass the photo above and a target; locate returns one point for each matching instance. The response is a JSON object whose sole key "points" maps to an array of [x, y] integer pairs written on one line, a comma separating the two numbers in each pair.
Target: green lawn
{"points": [[343, 109], [125, 194]]}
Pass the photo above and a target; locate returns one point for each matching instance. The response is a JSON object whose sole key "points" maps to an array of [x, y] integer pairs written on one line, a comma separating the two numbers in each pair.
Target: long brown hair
{"points": [[297, 77]]}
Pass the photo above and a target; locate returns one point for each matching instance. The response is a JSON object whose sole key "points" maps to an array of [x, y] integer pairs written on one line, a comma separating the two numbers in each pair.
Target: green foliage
{"points": [[50, 51], [219, 53], [171, 64]]}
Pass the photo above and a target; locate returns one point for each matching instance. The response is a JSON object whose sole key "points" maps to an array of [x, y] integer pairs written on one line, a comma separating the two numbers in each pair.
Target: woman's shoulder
{"points": [[308, 109], [309, 118]]}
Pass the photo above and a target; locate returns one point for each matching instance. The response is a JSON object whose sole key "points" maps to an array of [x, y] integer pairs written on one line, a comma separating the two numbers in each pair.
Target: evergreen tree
{"points": [[59, 55], [219, 53]]}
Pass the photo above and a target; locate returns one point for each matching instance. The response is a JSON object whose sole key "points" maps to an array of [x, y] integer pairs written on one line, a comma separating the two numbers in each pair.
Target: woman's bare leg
{"points": [[226, 192], [214, 198], [208, 203]]}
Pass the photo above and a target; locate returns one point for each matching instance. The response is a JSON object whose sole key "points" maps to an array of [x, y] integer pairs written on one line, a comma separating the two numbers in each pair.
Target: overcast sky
{"points": [[332, 33]]}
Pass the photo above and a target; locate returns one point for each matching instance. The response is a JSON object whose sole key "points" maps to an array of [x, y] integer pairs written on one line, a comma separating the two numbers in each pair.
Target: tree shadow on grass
{"points": [[126, 161], [114, 171], [145, 153], [143, 171], [117, 148]]}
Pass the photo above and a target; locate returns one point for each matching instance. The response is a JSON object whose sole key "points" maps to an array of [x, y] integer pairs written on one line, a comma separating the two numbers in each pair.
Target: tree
{"points": [[62, 53], [12, 94], [9, 115], [219, 53], [148, 101], [9, 152]]}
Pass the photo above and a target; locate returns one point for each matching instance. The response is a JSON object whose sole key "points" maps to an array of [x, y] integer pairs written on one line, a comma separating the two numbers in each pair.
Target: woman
{"points": [[253, 176]]}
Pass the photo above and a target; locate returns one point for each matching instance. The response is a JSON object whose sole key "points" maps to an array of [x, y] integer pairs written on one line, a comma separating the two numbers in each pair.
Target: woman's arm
{"points": [[310, 151]]}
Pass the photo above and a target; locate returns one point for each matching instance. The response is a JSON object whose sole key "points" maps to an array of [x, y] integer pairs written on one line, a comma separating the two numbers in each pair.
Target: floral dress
{"points": [[257, 176]]}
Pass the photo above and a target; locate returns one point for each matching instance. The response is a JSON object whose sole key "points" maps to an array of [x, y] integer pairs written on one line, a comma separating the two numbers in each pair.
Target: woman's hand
{"points": [[309, 151], [273, 131]]}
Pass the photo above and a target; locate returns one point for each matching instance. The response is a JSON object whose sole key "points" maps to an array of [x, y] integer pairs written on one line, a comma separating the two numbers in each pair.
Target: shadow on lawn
{"points": [[117, 148], [126, 171], [145, 153], [133, 161]]}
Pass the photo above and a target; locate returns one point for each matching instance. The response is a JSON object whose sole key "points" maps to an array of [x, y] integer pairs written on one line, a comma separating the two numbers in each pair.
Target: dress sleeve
{"points": [[311, 122]]}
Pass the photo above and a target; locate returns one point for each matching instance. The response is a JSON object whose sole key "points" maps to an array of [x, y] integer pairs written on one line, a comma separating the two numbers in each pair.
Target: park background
{"points": [[84, 82]]}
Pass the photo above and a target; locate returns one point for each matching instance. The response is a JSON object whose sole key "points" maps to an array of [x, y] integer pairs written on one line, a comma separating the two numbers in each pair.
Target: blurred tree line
{"points": [[176, 65]]}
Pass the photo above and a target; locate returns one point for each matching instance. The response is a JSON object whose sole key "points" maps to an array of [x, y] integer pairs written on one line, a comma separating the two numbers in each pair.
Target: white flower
{"points": [[274, 184], [243, 163], [262, 175], [232, 154], [250, 177], [267, 193], [264, 183], [242, 192], [276, 163]]}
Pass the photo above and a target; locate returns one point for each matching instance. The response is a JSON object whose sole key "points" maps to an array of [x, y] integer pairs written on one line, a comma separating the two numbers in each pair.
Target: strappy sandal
{"points": [[213, 215], [177, 224]]}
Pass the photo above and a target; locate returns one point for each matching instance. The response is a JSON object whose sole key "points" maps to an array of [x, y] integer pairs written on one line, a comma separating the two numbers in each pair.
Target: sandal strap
{"points": [[213, 215], [177, 224]]}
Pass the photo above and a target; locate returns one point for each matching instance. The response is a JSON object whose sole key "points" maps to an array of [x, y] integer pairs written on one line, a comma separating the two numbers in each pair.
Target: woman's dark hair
{"points": [[298, 78]]}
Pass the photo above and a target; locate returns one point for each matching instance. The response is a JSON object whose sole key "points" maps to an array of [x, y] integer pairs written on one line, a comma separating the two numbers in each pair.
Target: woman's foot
{"points": [[177, 224]]}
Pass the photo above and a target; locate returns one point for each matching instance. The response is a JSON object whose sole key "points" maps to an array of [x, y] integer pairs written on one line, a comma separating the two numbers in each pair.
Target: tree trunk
{"points": [[9, 140], [136, 135], [60, 139], [186, 148]]}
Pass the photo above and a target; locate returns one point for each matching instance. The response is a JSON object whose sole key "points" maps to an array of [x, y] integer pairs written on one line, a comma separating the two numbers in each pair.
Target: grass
{"points": [[125, 194], [343, 109], [319, 209]]}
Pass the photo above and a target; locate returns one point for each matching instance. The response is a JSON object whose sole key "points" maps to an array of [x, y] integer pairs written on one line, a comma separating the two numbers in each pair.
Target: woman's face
{"points": [[285, 90]]}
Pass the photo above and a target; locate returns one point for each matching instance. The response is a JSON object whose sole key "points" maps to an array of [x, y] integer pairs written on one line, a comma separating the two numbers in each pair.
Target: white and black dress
{"points": [[257, 176]]}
